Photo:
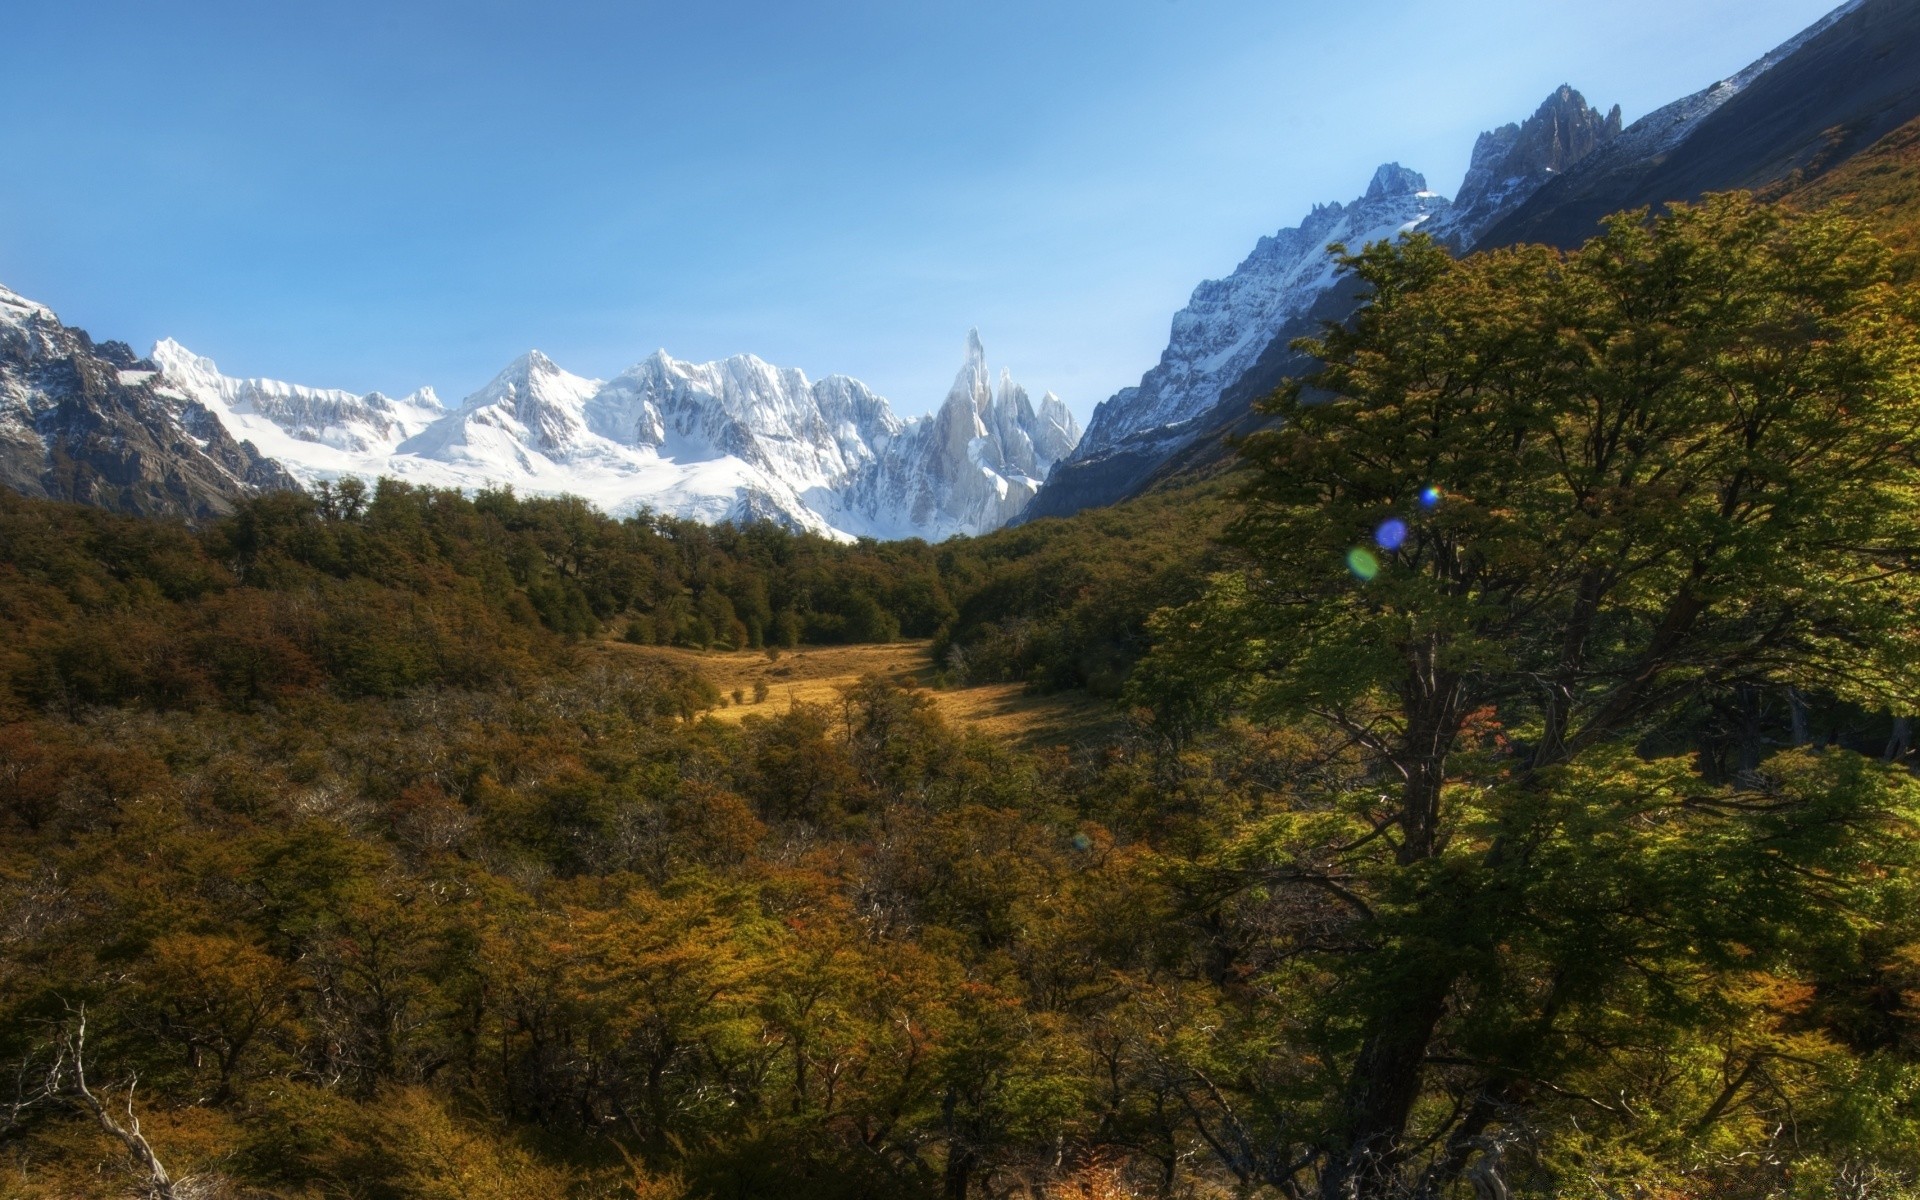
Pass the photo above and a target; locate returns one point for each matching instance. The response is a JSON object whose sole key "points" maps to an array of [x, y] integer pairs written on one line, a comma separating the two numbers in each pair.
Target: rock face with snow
{"points": [[530, 410], [1227, 323], [1802, 108], [970, 467], [1221, 336], [323, 416], [734, 440], [807, 434], [1513, 162], [90, 423]]}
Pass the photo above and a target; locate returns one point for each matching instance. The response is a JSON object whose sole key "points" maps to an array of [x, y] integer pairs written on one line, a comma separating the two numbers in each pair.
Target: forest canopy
{"points": [[1514, 799]]}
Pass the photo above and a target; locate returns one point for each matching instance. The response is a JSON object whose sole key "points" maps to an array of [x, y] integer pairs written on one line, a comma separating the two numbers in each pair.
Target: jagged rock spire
{"points": [[1512, 162]]}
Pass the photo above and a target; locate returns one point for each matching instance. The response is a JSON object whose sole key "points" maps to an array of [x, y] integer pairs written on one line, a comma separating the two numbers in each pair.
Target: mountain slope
{"points": [[1880, 186], [1227, 322], [86, 422], [1809, 105], [1227, 347], [1220, 334]]}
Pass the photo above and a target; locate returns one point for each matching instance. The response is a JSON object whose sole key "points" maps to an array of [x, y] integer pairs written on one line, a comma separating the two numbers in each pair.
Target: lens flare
{"points": [[1362, 563], [1429, 497], [1390, 535]]}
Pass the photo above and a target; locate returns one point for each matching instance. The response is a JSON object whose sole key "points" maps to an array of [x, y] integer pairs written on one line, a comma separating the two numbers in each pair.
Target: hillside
{"points": [[1879, 186]]}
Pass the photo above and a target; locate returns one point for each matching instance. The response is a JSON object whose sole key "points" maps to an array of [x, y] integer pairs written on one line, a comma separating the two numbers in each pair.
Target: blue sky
{"points": [[395, 194]]}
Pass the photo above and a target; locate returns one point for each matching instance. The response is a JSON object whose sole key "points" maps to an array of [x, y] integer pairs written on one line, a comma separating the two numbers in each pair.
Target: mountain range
{"points": [[741, 439], [1800, 110], [734, 440]]}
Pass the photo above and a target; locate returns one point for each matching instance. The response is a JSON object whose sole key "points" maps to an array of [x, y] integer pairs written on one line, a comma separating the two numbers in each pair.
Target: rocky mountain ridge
{"points": [[92, 423], [1803, 108], [1288, 285]]}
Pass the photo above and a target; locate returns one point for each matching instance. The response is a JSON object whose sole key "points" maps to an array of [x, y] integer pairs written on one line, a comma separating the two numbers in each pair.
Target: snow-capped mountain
{"points": [[808, 434], [1513, 162], [969, 467], [85, 421], [733, 440], [1229, 345], [531, 409], [350, 424], [1228, 322]]}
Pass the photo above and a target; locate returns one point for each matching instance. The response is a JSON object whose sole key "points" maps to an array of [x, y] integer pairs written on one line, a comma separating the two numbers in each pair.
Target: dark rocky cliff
{"points": [[92, 423]]}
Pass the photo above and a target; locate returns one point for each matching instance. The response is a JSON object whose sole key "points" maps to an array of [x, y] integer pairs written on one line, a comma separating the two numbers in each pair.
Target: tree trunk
{"points": [[1750, 743], [1901, 741], [961, 1158], [960, 1164], [1385, 1080], [1381, 1093]]}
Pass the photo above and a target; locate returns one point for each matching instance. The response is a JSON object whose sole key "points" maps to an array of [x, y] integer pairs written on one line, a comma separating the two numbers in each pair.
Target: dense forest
{"points": [[1513, 799]]}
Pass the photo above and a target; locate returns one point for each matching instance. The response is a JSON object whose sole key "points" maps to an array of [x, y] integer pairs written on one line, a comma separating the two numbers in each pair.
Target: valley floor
{"points": [[815, 675]]}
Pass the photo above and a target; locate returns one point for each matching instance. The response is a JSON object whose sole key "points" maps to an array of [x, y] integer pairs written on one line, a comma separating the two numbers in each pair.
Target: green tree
{"points": [[1674, 462]]}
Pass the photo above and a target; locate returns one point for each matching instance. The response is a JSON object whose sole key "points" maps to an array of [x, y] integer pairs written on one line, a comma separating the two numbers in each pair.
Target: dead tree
{"points": [[66, 1083]]}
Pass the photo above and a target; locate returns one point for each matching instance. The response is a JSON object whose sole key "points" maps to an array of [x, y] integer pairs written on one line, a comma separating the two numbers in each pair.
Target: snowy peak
{"points": [[810, 433], [530, 406], [17, 310], [1056, 432], [1228, 322], [272, 411], [969, 467], [531, 382], [970, 386]]}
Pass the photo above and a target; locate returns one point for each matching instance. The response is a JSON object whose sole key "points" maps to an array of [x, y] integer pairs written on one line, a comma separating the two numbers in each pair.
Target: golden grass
{"points": [[815, 675]]}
